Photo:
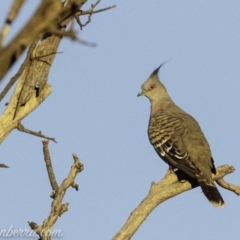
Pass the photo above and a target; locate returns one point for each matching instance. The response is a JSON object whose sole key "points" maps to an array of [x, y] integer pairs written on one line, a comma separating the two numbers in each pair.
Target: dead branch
{"points": [[7, 123], [20, 71], [21, 128], [168, 187], [48, 10], [57, 207], [229, 186], [49, 167], [97, 11], [90, 12], [14, 10], [32, 88], [50, 17], [43, 31]]}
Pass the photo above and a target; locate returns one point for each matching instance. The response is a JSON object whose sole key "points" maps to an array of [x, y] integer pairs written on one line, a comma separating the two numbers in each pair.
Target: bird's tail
{"points": [[210, 191]]}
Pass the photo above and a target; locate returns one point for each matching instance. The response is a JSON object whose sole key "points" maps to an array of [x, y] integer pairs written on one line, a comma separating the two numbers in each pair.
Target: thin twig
{"points": [[46, 55], [99, 10], [21, 128], [39, 58], [90, 12]]}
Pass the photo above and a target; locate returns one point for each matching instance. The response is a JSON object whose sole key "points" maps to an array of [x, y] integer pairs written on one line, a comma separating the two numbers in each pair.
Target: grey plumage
{"points": [[178, 139]]}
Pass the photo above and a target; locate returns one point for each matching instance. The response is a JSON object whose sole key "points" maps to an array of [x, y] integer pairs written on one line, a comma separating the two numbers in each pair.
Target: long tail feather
{"points": [[210, 191]]}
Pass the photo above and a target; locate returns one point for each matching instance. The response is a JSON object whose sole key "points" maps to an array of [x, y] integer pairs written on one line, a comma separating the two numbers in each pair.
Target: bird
{"points": [[178, 139]]}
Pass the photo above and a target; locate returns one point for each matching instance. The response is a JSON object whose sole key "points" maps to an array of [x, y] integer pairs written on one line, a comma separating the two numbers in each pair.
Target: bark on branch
{"points": [[168, 187]]}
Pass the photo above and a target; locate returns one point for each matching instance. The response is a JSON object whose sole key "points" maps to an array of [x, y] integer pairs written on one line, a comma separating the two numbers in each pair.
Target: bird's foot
{"points": [[170, 170]]}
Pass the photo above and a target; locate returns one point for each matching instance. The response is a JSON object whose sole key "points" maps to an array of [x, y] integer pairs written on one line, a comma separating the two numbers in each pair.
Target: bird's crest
{"points": [[155, 72]]}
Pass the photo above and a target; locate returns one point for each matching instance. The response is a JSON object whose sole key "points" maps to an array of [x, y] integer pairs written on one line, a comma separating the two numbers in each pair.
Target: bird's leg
{"points": [[170, 170]]}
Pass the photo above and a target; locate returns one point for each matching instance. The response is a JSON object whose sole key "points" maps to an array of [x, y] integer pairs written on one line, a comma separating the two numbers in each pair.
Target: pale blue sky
{"points": [[94, 112]]}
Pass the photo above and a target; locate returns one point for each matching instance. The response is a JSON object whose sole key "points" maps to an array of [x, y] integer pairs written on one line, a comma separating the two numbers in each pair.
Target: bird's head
{"points": [[152, 88]]}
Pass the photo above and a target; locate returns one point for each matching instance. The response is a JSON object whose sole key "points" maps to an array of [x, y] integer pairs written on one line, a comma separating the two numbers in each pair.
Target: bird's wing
{"points": [[165, 133]]}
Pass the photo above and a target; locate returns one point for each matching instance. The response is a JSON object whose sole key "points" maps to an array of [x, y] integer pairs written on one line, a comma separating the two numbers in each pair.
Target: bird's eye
{"points": [[152, 87]]}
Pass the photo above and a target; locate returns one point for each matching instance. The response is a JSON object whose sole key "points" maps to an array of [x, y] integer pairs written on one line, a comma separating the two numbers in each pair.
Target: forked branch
{"points": [[57, 207]]}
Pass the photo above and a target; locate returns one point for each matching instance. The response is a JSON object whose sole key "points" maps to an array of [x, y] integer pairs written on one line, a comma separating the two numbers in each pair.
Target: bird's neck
{"points": [[155, 107], [160, 104]]}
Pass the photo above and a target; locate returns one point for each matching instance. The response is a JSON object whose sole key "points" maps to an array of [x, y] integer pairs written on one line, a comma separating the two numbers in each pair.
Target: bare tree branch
{"points": [[45, 30], [231, 187], [14, 10], [57, 207], [99, 10], [90, 12], [39, 23], [32, 87], [21, 128], [168, 187], [7, 123], [20, 71], [51, 14], [49, 167]]}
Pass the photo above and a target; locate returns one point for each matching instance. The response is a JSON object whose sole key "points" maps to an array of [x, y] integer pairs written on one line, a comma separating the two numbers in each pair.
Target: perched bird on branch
{"points": [[178, 139]]}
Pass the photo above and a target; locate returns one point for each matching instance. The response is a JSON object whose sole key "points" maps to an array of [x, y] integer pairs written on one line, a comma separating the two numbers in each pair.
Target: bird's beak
{"points": [[140, 94]]}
